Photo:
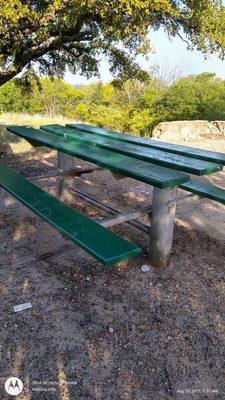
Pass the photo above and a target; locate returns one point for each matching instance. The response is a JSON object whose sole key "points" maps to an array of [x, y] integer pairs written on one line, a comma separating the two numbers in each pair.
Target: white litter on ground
{"points": [[21, 307], [145, 268]]}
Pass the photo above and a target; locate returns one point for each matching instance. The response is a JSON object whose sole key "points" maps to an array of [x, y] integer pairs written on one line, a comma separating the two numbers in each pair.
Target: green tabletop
{"points": [[144, 171], [201, 154], [163, 158]]}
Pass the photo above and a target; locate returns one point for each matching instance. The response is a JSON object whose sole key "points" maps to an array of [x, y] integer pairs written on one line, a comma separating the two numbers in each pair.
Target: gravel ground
{"points": [[111, 333]]}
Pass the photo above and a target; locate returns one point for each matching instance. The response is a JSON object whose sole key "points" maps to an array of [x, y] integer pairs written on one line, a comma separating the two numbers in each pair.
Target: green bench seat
{"points": [[159, 157], [104, 245], [143, 171], [205, 190], [152, 143]]}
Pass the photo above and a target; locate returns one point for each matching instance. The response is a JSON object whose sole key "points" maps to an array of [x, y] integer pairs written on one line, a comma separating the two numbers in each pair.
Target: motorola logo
{"points": [[13, 386]]}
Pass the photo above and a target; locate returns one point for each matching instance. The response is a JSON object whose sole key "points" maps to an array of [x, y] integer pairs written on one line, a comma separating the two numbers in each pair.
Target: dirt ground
{"points": [[111, 333]]}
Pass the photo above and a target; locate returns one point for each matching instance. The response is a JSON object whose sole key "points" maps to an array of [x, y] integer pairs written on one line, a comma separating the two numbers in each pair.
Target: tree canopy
{"points": [[50, 36]]}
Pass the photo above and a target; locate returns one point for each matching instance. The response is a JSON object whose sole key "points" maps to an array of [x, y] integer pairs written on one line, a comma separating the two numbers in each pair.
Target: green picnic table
{"points": [[164, 166]]}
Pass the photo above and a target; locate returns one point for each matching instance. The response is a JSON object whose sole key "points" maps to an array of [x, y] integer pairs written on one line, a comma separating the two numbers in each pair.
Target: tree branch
{"points": [[32, 54], [26, 53]]}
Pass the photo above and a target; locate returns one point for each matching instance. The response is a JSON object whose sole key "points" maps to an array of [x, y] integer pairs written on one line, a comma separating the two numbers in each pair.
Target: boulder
{"points": [[186, 130], [217, 128]]}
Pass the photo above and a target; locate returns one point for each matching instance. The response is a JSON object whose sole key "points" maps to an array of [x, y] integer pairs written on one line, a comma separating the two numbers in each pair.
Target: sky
{"points": [[166, 52]]}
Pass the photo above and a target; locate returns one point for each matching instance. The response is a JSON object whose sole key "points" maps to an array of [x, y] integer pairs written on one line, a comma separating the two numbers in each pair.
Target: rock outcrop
{"points": [[189, 130]]}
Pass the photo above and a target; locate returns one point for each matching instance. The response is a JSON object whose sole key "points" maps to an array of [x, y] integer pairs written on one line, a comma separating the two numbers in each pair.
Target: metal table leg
{"points": [[65, 162], [162, 224]]}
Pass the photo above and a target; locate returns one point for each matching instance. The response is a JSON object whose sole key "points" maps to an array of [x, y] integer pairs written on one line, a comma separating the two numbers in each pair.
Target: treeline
{"points": [[135, 107]]}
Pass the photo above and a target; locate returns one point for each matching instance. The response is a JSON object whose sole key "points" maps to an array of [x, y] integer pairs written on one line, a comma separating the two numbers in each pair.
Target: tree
{"points": [[178, 101], [11, 97], [54, 97], [51, 36], [194, 97], [49, 97]]}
